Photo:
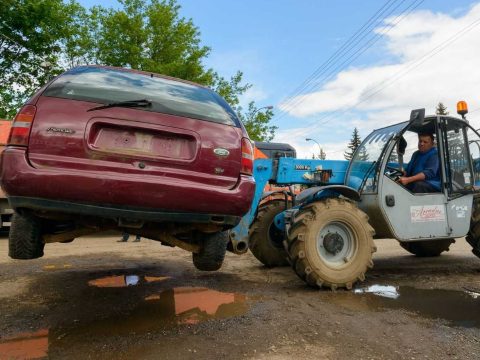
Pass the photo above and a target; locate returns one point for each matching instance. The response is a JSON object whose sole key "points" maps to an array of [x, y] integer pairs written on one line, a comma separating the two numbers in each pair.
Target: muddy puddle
{"points": [[156, 311], [458, 308]]}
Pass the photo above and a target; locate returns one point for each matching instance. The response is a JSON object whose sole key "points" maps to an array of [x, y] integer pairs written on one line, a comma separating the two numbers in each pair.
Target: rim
{"points": [[336, 244]]}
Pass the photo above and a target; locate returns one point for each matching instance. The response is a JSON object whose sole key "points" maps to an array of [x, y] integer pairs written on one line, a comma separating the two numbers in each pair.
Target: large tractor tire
{"points": [[212, 251], [428, 248], [25, 239], [330, 244], [266, 240], [473, 236]]}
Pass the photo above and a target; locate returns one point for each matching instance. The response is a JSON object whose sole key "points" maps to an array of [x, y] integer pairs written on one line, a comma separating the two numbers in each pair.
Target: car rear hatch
{"points": [[180, 133]]}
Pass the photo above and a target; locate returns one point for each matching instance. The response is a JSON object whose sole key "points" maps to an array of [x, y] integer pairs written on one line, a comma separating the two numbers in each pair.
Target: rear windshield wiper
{"points": [[128, 103]]}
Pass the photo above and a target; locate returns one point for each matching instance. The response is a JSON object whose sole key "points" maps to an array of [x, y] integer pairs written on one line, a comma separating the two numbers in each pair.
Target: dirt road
{"points": [[100, 299]]}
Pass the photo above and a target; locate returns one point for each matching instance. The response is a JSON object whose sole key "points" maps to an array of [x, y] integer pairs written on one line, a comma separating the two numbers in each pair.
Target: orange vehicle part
{"points": [[5, 126], [259, 154]]}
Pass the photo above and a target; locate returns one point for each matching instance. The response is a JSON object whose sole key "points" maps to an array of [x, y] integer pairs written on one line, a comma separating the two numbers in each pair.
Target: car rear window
{"points": [[102, 85]]}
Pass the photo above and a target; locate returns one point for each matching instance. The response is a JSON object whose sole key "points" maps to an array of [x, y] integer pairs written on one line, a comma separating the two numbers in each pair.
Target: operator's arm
{"points": [[429, 172], [404, 180]]}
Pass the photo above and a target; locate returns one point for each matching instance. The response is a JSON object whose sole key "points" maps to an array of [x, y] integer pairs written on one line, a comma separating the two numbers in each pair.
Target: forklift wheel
{"points": [[429, 248], [330, 244], [473, 236], [266, 241]]}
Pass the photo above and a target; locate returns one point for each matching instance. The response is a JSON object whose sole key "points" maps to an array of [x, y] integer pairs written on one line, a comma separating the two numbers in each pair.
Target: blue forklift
{"points": [[326, 230]]}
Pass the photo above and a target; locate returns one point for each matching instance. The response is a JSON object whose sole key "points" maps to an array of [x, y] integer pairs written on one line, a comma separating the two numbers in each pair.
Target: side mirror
{"points": [[417, 116]]}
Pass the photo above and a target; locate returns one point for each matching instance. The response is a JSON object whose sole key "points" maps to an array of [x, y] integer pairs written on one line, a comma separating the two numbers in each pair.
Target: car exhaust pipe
{"points": [[237, 246]]}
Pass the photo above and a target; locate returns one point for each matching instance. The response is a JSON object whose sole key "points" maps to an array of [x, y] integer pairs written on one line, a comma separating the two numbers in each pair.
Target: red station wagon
{"points": [[103, 148]]}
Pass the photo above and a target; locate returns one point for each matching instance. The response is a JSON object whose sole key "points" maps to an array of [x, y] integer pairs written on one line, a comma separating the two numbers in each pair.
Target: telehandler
{"points": [[326, 231]]}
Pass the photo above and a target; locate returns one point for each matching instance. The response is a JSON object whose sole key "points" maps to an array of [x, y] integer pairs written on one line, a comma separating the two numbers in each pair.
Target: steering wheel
{"points": [[393, 173]]}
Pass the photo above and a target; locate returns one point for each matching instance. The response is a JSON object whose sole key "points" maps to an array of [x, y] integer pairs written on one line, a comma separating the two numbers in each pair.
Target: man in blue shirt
{"points": [[423, 171]]}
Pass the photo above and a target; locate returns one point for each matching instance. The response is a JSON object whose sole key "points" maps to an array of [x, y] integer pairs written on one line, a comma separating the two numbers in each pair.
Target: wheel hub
{"points": [[333, 243]]}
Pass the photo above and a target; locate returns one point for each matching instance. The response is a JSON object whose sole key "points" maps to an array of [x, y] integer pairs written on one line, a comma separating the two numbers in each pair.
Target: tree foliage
{"points": [[144, 35], [441, 109], [32, 34], [321, 156], [354, 143], [257, 123]]}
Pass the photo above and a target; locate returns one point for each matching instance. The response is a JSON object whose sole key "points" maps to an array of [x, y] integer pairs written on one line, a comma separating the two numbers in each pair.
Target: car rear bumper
{"points": [[119, 191], [119, 214]]}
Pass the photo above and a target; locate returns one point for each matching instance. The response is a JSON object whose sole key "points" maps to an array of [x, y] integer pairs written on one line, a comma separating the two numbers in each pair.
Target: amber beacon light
{"points": [[462, 108]]}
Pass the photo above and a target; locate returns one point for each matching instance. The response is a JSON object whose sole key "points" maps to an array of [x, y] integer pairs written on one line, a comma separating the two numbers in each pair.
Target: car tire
{"points": [[330, 244], [428, 248], [25, 240], [212, 251], [266, 241]]}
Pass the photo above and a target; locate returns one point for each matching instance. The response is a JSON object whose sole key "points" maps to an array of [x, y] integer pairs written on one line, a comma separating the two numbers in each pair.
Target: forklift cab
{"points": [[395, 211]]}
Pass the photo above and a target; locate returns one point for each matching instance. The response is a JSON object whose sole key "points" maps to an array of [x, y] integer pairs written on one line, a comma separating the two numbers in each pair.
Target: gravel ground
{"points": [[75, 303]]}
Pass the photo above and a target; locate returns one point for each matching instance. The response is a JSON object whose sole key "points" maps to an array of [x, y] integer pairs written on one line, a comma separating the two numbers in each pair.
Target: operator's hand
{"points": [[404, 180]]}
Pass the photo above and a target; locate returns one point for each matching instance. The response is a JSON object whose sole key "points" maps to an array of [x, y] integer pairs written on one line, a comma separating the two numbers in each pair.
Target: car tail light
{"points": [[20, 130], [247, 157]]}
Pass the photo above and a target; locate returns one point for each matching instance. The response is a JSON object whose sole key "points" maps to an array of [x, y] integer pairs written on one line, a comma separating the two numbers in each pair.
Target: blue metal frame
{"points": [[290, 171]]}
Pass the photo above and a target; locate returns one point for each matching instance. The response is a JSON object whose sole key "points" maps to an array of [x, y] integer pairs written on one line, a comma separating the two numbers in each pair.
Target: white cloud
{"points": [[305, 149], [446, 76]]}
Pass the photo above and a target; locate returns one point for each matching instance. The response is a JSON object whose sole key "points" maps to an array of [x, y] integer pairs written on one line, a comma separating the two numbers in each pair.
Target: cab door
{"points": [[460, 176], [412, 216]]}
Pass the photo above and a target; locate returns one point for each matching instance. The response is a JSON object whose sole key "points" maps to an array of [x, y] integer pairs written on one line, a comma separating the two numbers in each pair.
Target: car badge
{"points": [[60, 130], [221, 152]]}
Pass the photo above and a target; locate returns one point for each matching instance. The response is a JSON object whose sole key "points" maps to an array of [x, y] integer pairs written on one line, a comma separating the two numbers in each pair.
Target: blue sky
{"points": [[280, 43]]}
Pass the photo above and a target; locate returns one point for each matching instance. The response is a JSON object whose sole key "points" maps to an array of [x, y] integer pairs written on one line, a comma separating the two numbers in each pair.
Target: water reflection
{"points": [[459, 308], [125, 280], [193, 305], [158, 311], [387, 291], [25, 346]]}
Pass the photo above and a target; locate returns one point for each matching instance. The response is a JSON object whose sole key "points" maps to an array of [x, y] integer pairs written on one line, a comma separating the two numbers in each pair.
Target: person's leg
{"points": [[124, 238], [137, 238], [421, 187]]}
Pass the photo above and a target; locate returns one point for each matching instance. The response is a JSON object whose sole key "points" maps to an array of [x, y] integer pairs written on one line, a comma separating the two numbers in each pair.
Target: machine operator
{"points": [[423, 171]]}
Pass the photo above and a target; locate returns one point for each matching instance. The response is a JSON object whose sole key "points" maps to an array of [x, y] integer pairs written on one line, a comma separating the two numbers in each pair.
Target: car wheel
{"points": [[25, 240], [212, 251]]}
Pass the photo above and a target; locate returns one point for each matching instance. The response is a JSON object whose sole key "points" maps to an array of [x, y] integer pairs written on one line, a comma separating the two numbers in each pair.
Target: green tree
{"points": [[355, 142], [441, 109], [152, 36], [149, 36], [363, 154], [144, 35], [321, 156], [257, 123], [32, 34]]}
